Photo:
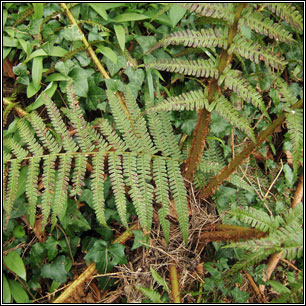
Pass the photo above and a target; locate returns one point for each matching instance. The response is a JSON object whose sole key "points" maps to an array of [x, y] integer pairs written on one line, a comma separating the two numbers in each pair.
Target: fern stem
{"points": [[202, 127], [174, 284], [229, 169]]}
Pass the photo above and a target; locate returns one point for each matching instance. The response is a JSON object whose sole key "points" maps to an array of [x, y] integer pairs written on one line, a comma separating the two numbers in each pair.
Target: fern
{"points": [[128, 157], [198, 68], [195, 39], [285, 235], [266, 26], [294, 121]]}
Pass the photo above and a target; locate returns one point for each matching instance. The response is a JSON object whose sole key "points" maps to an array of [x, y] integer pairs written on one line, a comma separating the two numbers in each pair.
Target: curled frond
{"points": [[198, 68]]}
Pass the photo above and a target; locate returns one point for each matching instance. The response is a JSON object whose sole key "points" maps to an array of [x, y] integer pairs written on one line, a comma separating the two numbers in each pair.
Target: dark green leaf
{"points": [[288, 175], [240, 296], [139, 239], [38, 253], [99, 8], [19, 231], [56, 270], [15, 263], [6, 290]]}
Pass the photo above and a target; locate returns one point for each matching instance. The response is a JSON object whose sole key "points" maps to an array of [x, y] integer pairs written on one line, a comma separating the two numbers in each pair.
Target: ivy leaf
{"points": [[96, 95], [51, 246], [106, 256], [176, 13], [139, 239], [80, 80], [38, 253], [112, 67], [146, 42], [239, 296], [71, 33], [15, 263], [56, 270], [136, 78], [64, 67]]}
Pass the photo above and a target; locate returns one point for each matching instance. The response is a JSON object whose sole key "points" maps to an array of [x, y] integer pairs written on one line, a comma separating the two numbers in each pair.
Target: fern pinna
{"points": [[148, 168], [224, 40]]}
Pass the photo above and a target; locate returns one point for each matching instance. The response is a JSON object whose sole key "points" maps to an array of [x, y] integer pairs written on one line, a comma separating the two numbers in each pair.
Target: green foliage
{"points": [[284, 235]]}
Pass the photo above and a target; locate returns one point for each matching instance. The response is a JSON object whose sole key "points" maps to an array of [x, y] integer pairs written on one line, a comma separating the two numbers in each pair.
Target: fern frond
{"points": [[43, 133], [31, 188], [232, 80], [139, 123], [12, 187], [198, 68], [295, 125], [81, 126], [123, 123], [144, 175], [240, 183], [151, 294], [190, 38], [48, 183], [28, 137], [287, 12], [59, 126], [254, 52], [132, 180], [97, 186], [193, 100], [61, 185], [225, 109], [285, 92], [223, 11], [257, 22], [116, 176], [16, 148], [78, 174], [112, 137], [258, 219], [162, 193], [294, 215], [179, 194]]}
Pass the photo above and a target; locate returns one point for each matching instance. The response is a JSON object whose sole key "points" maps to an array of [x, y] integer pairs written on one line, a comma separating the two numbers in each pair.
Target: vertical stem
{"points": [[202, 127], [174, 284]]}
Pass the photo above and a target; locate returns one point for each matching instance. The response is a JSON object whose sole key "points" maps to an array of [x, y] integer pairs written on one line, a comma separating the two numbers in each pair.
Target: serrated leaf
{"points": [[15, 263]]}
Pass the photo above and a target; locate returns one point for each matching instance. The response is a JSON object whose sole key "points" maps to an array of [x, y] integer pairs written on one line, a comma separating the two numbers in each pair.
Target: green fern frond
{"points": [[240, 183], [81, 126], [31, 188], [294, 214], [61, 185], [151, 294], [144, 170], [97, 186], [132, 180], [258, 219], [48, 183], [225, 109], [285, 92], [254, 52], [162, 193], [43, 133], [295, 124], [215, 10], [28, 137], [112, 137], [287, 12], [198, 68], [190, 38], [139, 123], [79, 174], [16, 148], [59, 126], [193, 100], [12, 186], [232, 80], [116, 176], [179, 193], [257, 22]]}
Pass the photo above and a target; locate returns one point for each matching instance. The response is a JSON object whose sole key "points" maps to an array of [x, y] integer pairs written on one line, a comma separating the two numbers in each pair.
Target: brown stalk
{"points": [[246, 152], [202, 126]]}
